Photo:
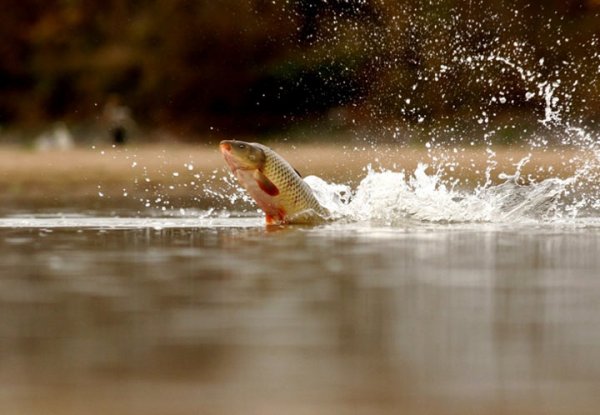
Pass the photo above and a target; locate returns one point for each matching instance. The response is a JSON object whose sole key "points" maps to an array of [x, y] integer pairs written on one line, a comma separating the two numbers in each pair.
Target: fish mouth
{"points": [[225, 146], [233, 163]]}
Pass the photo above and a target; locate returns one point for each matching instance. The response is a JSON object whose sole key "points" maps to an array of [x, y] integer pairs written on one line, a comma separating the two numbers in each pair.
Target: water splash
{"points": [[389, 197], [412, 91]]}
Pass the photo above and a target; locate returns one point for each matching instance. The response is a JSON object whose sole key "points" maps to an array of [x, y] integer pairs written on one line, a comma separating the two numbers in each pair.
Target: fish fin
{"points": [[277, 219], [297, 172], [265, 184]]}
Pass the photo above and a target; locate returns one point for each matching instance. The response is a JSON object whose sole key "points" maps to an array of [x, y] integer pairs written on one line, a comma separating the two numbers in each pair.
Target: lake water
{"points": [[189, 315]]}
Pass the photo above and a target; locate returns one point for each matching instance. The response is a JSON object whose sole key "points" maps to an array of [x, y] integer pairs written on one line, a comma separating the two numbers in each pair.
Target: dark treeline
{"points": [[252, 65]]}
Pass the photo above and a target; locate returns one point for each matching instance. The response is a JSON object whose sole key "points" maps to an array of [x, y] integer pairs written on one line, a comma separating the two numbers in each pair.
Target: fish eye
{"points": [[242, 145]]}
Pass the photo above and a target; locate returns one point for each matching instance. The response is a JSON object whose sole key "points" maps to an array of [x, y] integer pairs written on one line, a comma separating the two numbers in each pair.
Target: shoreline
{"points": [[141, 171]]}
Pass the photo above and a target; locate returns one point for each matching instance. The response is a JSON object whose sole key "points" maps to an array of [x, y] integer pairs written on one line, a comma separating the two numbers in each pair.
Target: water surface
{"points": [[224, 315]]}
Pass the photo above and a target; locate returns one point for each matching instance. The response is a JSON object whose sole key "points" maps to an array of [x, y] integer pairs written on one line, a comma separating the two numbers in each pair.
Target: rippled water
{"points": [[223, 315]]}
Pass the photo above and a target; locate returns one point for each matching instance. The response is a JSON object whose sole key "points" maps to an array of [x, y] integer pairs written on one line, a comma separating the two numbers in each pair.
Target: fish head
{"points": [[241, 155]]}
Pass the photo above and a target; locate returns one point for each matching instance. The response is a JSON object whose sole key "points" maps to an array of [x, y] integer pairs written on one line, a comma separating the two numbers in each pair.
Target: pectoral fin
{"points": [[265, 184]]}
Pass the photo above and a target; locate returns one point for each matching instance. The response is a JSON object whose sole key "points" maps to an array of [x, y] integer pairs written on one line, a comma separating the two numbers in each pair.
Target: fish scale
{"points": [[295, 195]]}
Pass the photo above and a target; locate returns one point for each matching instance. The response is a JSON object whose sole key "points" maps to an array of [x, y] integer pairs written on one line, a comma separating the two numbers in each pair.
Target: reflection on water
{"points": [[332, 320]]}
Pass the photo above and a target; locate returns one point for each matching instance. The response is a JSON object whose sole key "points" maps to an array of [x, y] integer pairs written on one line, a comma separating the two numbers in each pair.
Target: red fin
{"points": [[265, 184], [277, 219]]}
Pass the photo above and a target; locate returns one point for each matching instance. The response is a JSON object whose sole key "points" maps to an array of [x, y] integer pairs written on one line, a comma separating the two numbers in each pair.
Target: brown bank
{"points": [[111, 176]]}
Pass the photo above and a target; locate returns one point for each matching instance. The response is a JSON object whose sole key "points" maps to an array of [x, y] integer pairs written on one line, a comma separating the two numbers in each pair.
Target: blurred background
{"points": [[197, 69], [136, 277]]}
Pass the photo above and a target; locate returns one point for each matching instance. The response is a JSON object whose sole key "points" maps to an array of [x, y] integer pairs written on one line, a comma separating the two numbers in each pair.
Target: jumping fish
{"points": [[277, 187]]}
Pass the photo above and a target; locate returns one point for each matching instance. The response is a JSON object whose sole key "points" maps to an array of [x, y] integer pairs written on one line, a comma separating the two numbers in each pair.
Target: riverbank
{"points": [[127, 175]]}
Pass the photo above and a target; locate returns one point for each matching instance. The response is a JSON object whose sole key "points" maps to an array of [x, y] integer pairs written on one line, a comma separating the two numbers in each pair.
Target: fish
{"points": [[276, 187]]}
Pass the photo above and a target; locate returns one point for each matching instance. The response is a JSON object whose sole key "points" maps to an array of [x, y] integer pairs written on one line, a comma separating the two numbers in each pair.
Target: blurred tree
{"points": [[243, 65]]}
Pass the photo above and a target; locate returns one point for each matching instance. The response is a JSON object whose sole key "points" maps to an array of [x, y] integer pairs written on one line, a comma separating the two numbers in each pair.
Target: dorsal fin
{"points": [[297, 172]]}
